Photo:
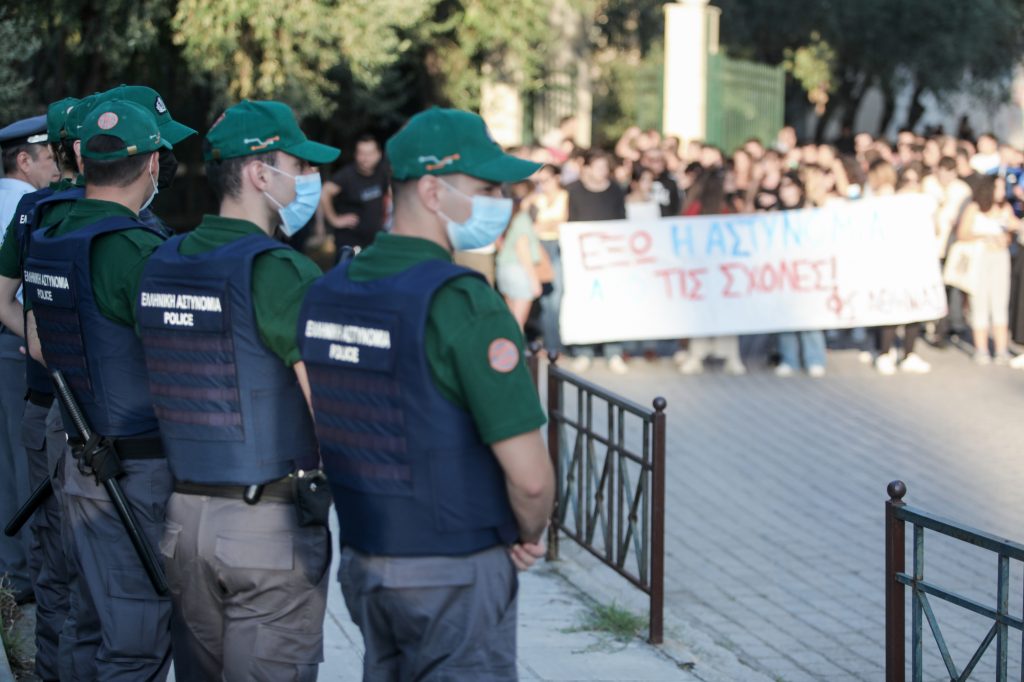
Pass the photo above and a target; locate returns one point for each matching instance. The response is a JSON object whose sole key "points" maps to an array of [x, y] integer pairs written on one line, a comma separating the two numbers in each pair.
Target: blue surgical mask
{"points": [[486, 222], [297, 213]]}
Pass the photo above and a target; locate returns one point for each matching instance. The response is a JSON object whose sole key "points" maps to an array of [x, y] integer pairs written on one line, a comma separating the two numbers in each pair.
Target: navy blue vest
{"points": [[230, 411], [26, 221], [101, 359], [409, 472]]}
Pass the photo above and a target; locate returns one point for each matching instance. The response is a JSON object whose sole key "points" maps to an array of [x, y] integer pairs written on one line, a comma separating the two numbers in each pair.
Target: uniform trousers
{"points": [[436, 618], [249, 587], [14, 483], [119, 625], [45, 443]]}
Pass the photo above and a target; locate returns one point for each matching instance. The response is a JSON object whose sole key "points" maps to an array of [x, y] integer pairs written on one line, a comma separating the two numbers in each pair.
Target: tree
{"points": [[935, 46], [15, 94]]}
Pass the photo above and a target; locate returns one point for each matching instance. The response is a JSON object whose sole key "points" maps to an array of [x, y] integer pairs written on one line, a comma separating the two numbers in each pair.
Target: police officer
{"points": [[217, 311], [427, 418], [82, 278], [28, 165], [41, 429]]}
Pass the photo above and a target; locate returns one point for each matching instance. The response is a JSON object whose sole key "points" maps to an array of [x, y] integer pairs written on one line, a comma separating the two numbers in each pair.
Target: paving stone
{"points": [[775, 514]]}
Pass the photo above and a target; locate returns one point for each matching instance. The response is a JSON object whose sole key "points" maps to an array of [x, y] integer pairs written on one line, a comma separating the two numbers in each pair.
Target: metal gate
{"points": [[744, 100]]}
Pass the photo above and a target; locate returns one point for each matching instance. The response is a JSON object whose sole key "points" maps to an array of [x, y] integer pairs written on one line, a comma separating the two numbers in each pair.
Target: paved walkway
{"points": [[775, 504]]}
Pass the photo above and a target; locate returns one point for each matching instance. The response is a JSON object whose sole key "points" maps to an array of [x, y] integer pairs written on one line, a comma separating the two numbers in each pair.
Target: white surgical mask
{"points": [[488, 219], [156, 190]]}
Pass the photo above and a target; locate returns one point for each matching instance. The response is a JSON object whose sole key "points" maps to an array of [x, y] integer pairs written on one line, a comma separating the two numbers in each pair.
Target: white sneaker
{"points": [[617, 364], [1018, 362], [816, 371], [982, 358], [680, 356], [693, 365], [580, 364], [885, 365], [865, 357], [735, 368], [1002, 359], [914, 364], [783, 370]]}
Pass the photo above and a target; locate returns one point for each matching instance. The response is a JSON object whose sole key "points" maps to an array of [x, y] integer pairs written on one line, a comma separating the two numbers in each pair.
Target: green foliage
{"points": [[629, 93], [936, 45], [812, 66], [15, 98], [248, 49]]}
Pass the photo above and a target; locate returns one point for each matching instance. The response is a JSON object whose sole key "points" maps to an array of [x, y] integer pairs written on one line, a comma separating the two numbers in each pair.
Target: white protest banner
{"points": [[858, 264]]}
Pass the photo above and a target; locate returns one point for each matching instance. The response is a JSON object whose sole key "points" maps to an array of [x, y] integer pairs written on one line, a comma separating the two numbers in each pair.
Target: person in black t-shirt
{"points": [[596, 197], [353, 201]]}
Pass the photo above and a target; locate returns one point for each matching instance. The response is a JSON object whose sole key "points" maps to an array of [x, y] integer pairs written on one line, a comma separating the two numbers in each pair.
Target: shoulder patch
{"points": [[503, 355]]}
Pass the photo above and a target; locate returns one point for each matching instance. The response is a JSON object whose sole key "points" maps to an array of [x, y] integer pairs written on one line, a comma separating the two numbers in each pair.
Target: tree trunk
{"points": [[888, 107], [916, 108]]}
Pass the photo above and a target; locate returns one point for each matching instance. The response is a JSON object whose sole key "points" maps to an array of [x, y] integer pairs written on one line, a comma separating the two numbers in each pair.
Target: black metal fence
{"points": [[609, 459], [897, 515]]}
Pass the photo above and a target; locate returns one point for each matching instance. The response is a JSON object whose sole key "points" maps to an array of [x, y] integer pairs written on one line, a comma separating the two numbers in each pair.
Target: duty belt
{"points": [[146, 447], [281, 490], [38, 398]]}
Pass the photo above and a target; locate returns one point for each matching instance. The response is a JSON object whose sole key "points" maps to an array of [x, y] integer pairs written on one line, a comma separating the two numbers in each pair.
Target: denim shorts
{"points": [[514, 282]]}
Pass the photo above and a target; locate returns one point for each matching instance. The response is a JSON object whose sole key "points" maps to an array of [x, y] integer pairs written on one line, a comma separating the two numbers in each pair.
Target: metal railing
{"points": [[610, 496], [897, 514]]}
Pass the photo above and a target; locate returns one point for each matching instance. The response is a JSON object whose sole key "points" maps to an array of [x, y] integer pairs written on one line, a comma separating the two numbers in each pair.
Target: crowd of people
{"points": [[976, 184]]}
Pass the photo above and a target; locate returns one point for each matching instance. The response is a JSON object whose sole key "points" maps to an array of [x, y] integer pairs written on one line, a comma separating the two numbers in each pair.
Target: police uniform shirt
{"points": [[117, 259], [10, 248], [11, 192], [473, 344], [280, 280]]}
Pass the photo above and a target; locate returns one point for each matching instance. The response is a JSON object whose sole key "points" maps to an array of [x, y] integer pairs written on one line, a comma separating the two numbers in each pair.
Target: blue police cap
{"points": [[26, 131]]}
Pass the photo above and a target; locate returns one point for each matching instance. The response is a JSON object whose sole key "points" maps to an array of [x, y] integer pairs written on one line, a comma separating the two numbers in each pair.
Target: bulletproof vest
{"points": [[101, 359], [408, 470], [230, 411], [26, 221]]}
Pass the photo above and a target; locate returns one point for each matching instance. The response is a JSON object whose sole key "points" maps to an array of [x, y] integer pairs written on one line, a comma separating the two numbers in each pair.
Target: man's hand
{"points": [[346, 221], [525, 554]]}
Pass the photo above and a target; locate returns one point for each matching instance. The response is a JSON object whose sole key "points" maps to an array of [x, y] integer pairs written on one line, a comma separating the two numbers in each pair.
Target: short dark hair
{"points": [[112, 172], [593, 155], [947, 163], [10, 155], [367, 137], [64, 155], [225, 176], [985, 193]]}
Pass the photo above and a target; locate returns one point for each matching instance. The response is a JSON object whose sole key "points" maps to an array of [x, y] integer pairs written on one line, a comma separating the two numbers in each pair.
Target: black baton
{"points": [[40, 495], [131, 526]]}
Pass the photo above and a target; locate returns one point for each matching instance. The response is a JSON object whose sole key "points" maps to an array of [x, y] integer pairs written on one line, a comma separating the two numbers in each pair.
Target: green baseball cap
{"points": [[57, 118], [150, 99], [129, 122], [77, 115], [258, 127], [445, 141]]}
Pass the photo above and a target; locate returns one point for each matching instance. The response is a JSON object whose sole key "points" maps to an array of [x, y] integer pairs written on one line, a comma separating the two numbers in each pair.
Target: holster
{"points": [[312, 498]]}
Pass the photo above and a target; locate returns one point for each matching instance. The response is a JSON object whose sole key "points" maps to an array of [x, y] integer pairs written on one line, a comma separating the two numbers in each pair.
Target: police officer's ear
{"points": [[78, 153], [257, 174], [428, 189]]}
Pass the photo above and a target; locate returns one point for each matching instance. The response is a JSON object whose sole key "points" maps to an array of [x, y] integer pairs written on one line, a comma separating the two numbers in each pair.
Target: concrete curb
{"points": [[691, 649]]}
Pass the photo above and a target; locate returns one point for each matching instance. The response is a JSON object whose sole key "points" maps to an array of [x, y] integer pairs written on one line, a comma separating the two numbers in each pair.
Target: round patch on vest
{"points": [[503, 355], [106, 121]]}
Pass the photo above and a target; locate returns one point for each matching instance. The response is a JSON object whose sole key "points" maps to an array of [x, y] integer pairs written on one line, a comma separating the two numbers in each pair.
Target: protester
{"points": [[596, 197], [354, 200], [517, 266], [808, 346], [988, 224]]}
